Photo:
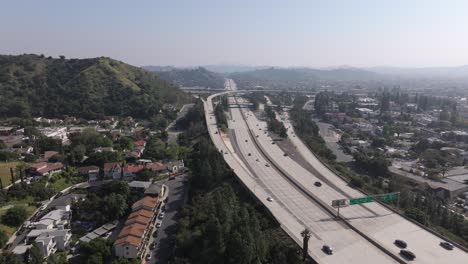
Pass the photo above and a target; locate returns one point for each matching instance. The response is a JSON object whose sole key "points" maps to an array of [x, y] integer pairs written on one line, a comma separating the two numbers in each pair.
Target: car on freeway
{"points": [[249, 154], [153, 245], [446, 245], [148, 257], [216, 132], [246, 140], [270, 199], [317, 183], [155, 234], [158, 225], [267, 165], [256, 159], [273, 142], [285, 154], [400, 243], [161, 215], [259, 129], [327, 249], [407, 254], [256, 135]]}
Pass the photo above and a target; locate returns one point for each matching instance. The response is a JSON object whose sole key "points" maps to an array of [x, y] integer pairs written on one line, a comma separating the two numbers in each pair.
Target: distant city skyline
{"points": [[296, 33]]}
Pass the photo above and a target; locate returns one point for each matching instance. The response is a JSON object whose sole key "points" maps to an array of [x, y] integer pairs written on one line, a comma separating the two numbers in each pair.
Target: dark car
{"points": [[285, 154], [249, 154], [317, 183], [400, 243], [446, 245], [273, 143], [407, 254], [327, 249], [246, 140]]}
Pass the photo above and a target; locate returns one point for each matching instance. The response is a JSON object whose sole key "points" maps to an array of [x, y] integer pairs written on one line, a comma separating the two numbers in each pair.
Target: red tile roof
{"points": [[156, 166], [139, 143], [128, 240], [51, 167], [148, 201], [138, 219], [38, 165], [142, 212], [109, 166], [133, 168], [135, 229]]}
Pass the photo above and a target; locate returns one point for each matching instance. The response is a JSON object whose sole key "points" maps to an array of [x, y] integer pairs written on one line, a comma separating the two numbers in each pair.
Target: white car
{"points": [[270, 199], [158, 225]]}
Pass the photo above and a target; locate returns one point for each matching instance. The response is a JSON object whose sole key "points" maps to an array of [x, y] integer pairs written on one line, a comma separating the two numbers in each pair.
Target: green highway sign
{"points": [[361, 200], [388, 197]]}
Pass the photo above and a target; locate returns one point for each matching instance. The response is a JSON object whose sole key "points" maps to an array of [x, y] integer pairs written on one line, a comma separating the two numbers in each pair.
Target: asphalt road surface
{"points": [[165, 240]]}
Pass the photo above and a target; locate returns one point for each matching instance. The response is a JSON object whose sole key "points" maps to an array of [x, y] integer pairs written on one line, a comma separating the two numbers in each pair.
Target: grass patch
{"points": [[9, 230], [5, 171]]}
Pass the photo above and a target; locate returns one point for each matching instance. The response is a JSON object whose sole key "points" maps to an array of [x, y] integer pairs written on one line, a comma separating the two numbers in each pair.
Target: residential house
{"points": [[148, 203], [44, 168], [49, 241], [153, 190], [113, 170], [92, 172], [134, 236], [130, 171], [157, 167], [55, 218], [175, 166]]}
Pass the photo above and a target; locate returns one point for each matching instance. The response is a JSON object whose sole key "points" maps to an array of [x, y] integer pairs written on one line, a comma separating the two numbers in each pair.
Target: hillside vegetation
{"points": [[33, 85], [190, 77], [297, 78]]}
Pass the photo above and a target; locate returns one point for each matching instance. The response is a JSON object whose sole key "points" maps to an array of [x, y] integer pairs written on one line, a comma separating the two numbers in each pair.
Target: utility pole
{"points": [[305, 246]]}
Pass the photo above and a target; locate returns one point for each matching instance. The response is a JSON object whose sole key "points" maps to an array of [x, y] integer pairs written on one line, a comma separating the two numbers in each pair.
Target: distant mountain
{"points": [[311, 74], [45, 86], [233, 68], [299, 77], [460, 72], [190, 77], [159, 68]]}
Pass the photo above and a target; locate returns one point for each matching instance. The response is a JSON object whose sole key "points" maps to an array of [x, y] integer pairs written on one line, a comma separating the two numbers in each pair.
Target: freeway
{"points": [[293, 210], [376, 221]]}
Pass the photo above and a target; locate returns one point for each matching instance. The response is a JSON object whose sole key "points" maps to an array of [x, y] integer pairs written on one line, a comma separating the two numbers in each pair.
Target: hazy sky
{"points": [[258, 32]]}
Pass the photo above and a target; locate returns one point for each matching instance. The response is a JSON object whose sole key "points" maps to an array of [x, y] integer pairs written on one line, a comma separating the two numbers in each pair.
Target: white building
{"points": [[50, 240]]}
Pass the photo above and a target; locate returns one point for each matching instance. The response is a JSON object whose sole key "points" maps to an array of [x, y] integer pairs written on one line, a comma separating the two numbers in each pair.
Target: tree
{"points": [[3, 238], [57, 258], [9, 257], [15, 216], [34, 255], [114, 206], [144, 175]]}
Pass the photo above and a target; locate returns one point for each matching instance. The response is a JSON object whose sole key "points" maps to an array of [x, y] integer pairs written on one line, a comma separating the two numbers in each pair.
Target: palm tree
{"points": [[305, 246]]}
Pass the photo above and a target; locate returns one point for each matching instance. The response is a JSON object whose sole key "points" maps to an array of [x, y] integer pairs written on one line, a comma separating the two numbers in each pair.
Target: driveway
{"points": [[165, 240]]}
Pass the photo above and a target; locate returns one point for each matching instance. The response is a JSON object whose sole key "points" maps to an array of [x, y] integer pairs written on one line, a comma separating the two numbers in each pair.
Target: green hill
{"points": [[189, 77], [33, 85]]}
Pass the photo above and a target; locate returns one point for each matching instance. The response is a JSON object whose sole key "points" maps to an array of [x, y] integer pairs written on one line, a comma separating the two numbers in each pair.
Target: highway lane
{"points": [[325, 229], [373, 219], [288, 223]]}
